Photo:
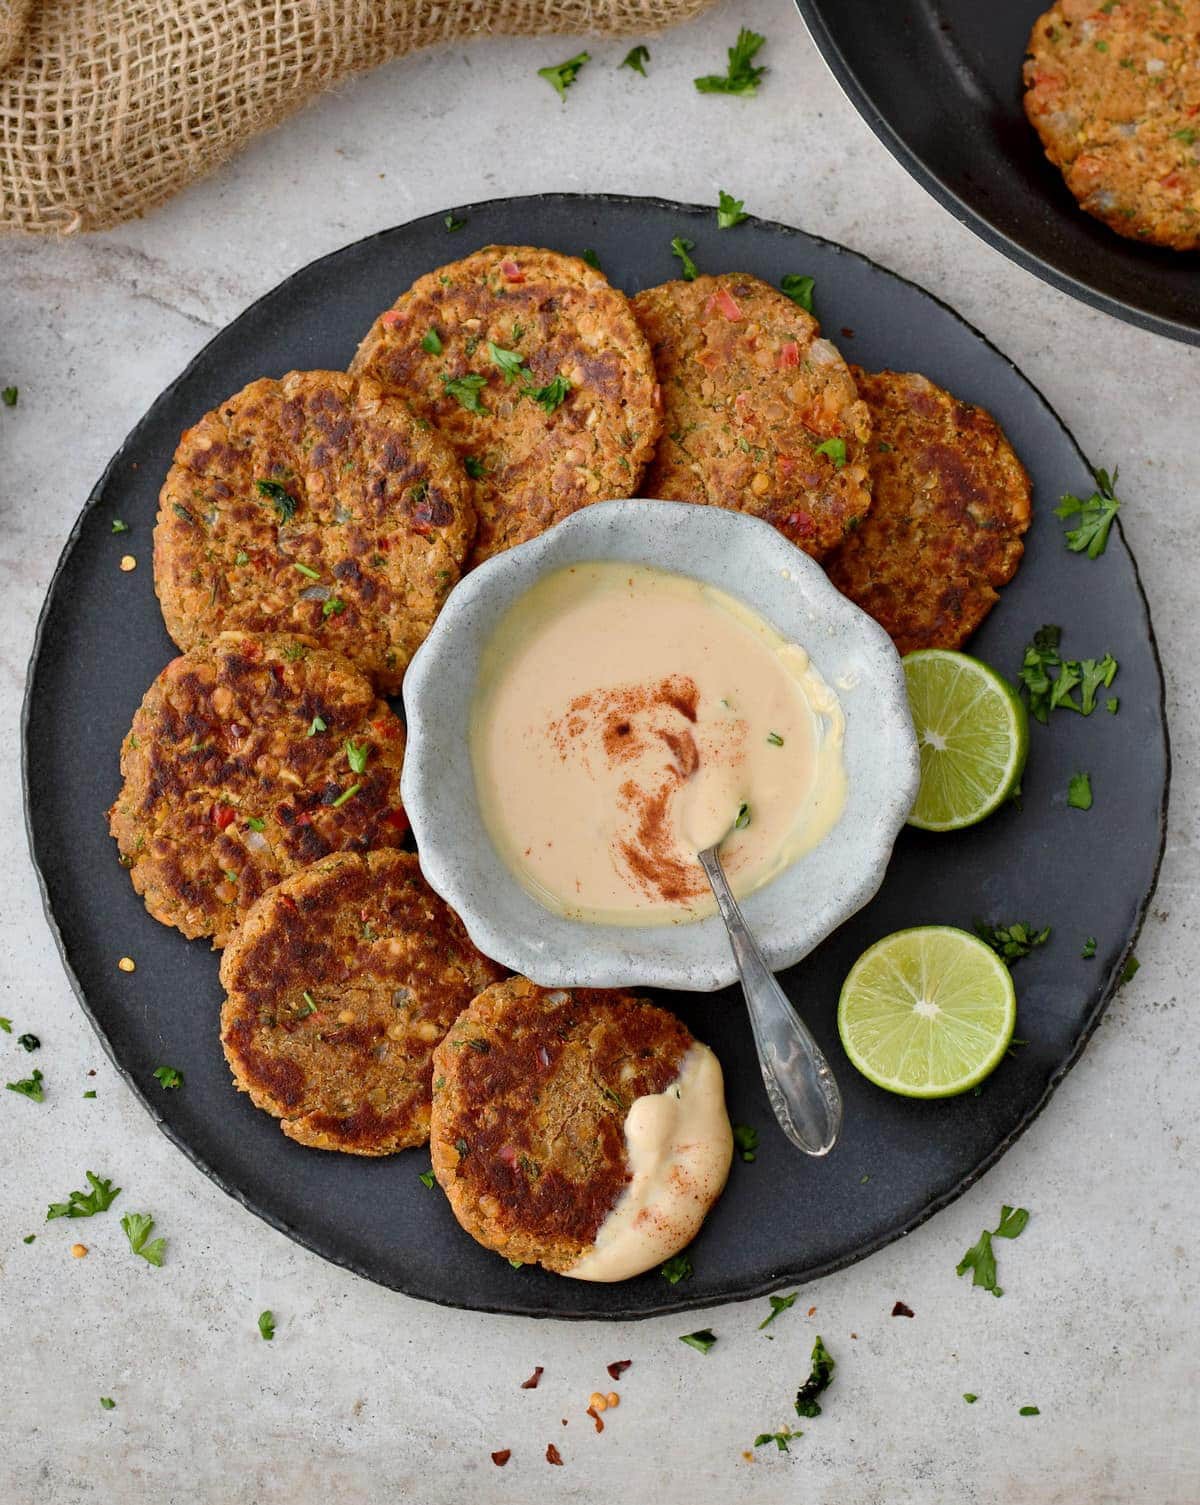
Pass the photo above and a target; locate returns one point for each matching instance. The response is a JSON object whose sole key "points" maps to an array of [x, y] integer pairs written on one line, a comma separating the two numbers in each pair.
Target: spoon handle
{"points": [[800, 1085]]}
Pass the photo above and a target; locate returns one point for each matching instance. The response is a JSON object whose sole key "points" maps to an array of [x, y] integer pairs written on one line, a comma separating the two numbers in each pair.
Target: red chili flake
{"points": [[223, 816], [512, 272], [847, 332], [789, 355], [812, 1311], [618, 1368], [901, 1310], [502, 1457], [553, 1455], [532, 1382], [303, 818], [595, 1415], [722, 302], [390, 319]]}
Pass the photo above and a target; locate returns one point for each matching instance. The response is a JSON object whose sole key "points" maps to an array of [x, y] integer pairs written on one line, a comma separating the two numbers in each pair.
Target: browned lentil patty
{"points": [[951, 501], [340, 982], [548, 317], [225, 791], [1113, 90], [750, 394], [530, 1092], [318, 505]]}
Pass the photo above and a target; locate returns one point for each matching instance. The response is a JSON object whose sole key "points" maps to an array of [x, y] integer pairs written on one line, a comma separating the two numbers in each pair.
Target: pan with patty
{"points": [[535, 370], [533, 1091], [951, 502], [1113, 91], [248, 759], [317, 505], [760, 415], [341, 981]]}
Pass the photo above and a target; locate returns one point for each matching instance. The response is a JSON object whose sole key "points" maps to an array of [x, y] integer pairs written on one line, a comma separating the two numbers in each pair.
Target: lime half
{"points": [[973, 734], [927, 1012]]}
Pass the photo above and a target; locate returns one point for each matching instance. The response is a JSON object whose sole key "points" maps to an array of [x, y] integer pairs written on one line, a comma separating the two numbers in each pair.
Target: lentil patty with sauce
{"points": [[340, 982], [530, 1092], [760, 413], [1113, 90], [318, 505], [951, 501], [534, 368], [248, 759]]}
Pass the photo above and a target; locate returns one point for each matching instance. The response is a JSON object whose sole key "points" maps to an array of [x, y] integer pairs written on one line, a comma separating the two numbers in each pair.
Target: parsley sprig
{"points": [[680, 247], [818, 1381], [1095, 514], [741, 76], [85, 1204], [980, 1258], [137, 1227], [745, 1141], [730, 211]]}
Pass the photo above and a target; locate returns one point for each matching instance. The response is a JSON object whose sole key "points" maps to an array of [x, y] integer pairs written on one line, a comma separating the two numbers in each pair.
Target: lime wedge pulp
{"points": [[927, 1012], [973, 735]]}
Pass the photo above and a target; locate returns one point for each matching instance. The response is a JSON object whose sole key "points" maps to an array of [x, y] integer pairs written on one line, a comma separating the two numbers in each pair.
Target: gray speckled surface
{"points": [[364, 1396]]}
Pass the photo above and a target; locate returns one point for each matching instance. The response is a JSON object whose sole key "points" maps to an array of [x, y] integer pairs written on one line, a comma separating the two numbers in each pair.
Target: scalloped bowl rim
{"points": [[752, 561]]}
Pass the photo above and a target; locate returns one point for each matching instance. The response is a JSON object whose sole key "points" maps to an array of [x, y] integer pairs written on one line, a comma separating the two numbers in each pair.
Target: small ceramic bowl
{"points": [[791, 914]]}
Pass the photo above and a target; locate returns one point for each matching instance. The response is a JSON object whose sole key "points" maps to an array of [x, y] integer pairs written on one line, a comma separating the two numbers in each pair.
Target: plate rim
{"points": [[844, 76], [677, 1301]]}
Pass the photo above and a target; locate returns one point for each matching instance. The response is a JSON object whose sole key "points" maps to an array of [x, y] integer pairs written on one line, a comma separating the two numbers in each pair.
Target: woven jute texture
{"points": [[107, 107]]}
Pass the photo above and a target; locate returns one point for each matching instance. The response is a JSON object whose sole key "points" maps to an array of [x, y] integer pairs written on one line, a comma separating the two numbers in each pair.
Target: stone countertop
{"points": [[364, 1396]]}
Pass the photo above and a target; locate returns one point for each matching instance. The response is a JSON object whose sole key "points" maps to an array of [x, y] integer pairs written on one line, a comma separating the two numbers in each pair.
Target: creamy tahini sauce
{"points": [[623, 717], [679, 1146]]}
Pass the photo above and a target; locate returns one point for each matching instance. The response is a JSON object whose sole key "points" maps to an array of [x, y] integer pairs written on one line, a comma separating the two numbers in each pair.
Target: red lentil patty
{"points": [[341, 981], [951, 501], [535, 370], [1113, 90], [248, 759], [530, 1092], [760, 415], [319, 505]]}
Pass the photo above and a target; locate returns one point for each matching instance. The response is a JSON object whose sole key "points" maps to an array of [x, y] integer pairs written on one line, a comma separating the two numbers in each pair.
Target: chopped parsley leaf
{"points": [[316, 725], [774, 739], [453, 224], [512, 364], [1089, 948], [356, 755], [730, 211], [30, 1086], [1046, 692], [466, 389], [835, 449], [6, 1025], [279, 497], [799, 290], [107, 1402], [680, 247], [1188, 137], [820, 1375], [29, 1042], [778, 1304], [676, 1269], [346, 794], [701, 1341], [426, 1179], [517, 1264], [980, 1258], [560, 76], [473, 467], [780, 1438], [29, 1238], [1014, 941], [168, 1077], [1112, 705], [310, 1005], [1128, 972], [591, 258], [1095, 514], [137, 1227], [90, 1094], [85, 1204], [266, 1325], [241, 557], [253, 823], [431, 342], [969, 1398], [741, 77], [552, 395], [1029, 1411], [10, 394], [1079, 792], [637, 58], [743, 817], [307, 571], [745, 1141], [334, 607], [118, 526]]}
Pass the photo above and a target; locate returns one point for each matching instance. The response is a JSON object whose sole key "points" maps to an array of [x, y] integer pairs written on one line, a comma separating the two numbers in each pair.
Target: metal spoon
{"points": [[800, 1086]]}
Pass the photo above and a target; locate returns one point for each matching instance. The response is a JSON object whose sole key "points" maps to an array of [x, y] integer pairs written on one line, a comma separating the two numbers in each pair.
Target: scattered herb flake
{"points": [[89, 1094], [1128, 972], [774, 739], [465, 390], [29, 1238], [676, 1269], [168, 1077], [107, 1402], [591, 258], [799, 290], [552, 395], [1112, 705], [1045, 692], [253, 823], [1079, 792], [306, 570], [730, 211], [969, 1398], [817, 1382], [317, 724], [30, 1086], [980, 1258], [279, 497], [778, 1304], [742, 820], [118, 526], [701, 1341], [509, 361], [835, 449], [85, 1204], [1095, 514], [1029, 1411], [1012, 942], [10, 394], [266, 1325], [680, 247], [334, 607], [453, 224], [426, 1179], [6, 1025], [780, 1438], [29, 1042], [745, 1141], [560, 76], [1089, 948], [137, 1227], [346, 794], [637, 58], [741, 76], [473, 467], [356, 755], [431, 342]]}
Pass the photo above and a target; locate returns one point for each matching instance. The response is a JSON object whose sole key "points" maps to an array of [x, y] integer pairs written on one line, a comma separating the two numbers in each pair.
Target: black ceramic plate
{"points": [[785, 1217], [939, 82]]}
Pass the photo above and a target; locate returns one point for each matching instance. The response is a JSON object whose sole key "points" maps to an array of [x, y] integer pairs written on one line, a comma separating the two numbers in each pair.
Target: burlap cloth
{"points": [[107, 107]]}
